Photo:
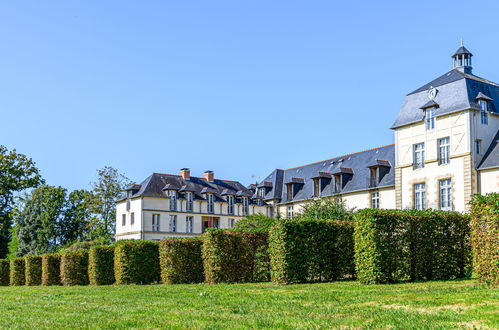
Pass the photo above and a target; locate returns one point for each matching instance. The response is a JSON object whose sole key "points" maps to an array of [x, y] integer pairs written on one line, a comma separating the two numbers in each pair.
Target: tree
{"points": [[38, 220], [74, 225], [17, 173], [255, 223], [328, 209], [106, 191]]}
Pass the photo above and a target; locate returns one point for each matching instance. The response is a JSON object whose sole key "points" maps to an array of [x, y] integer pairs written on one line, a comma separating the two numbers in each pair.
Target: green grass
{"points": [[340, 304]]}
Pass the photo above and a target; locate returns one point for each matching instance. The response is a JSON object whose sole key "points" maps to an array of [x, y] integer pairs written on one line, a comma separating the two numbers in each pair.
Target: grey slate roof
{"points": [[462, 50], [356, 163], [456, 91], [491, 157]]}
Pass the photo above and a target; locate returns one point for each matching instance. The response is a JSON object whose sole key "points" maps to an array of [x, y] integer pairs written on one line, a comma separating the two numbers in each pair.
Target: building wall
{"points": [[489, 181]]}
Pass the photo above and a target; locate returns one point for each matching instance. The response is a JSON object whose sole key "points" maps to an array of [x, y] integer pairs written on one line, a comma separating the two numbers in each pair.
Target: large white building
{"points": [[446, 150]]}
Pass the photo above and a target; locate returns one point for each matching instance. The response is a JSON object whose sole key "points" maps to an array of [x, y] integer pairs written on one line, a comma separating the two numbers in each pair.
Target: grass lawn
{"points": [[340, 304]]}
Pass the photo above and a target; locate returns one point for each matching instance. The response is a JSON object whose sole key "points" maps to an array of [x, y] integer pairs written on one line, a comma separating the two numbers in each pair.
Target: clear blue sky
{"points": [[238, 87]]}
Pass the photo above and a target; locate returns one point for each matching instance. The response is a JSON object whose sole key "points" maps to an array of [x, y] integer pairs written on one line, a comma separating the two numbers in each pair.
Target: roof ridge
{"points": [[353, 153], [197, 177]]}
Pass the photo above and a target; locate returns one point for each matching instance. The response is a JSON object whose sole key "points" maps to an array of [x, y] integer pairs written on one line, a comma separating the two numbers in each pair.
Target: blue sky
{"points": [[237, 87]]}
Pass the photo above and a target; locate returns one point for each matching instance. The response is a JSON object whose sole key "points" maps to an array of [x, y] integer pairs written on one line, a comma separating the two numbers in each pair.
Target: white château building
{"points": [[446, 150]]}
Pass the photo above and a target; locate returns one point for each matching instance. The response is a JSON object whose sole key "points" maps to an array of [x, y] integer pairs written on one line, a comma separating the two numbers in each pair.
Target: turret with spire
{"points": [[462, 59]]}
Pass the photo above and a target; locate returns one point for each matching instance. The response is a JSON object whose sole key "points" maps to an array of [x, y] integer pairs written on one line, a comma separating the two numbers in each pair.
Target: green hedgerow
{"points": [[74, 267], [17, 271], [4, 272], [51, 269], [181, 260], [136, 262], [33, 265], [101, 265]]}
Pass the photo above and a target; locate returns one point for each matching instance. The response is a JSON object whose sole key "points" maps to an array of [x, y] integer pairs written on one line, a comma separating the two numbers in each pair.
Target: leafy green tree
{"points": [[39, 219], [13, 244], [327, 209], [106, 191], [75, 223], [255, 223], [17, 173]]}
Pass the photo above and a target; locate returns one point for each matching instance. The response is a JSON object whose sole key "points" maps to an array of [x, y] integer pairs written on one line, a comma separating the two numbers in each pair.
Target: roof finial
{"points": [[462, 43]]}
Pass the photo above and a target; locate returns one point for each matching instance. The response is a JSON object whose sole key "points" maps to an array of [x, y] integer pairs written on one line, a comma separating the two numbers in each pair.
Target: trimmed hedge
{"points": [[17, 272], [394, 245], [311, 250], [181, 260], [74, 267], [4, 272], [101, 265], [33, 271], [136, 262], [235, 257], [485, 234], [51, 269]]}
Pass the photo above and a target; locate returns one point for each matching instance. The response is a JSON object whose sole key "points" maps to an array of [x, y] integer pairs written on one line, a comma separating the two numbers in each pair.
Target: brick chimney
{"points": [[185, 173], [209, 176]]}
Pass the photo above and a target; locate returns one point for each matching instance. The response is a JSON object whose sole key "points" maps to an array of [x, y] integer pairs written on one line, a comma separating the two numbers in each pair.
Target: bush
{"points": [[33, 265], [393, 245], [136, 262], [311, 250], [234, 257], [485, 234], [326, 208], [17, 272], [51, 269], [101, 265], [181, 260], [255, 223], [74, 267], [4, 272]]}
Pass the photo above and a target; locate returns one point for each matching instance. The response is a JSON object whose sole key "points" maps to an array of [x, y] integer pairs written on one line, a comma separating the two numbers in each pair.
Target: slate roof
{"points": [[356, 163], [157, 184], [456, 91], [462, 50], [491, 157]]}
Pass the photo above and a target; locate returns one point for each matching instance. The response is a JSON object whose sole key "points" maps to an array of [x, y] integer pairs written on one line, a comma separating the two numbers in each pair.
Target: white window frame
{"points": [[418, 155], [230, 204], [375, 200], [290, 211], [484, 115], [445, 193], [317, 187], [261, 192], [420, 196], [156, 218], [173, 224], [245, 206], [443, 151], [189, 197], [173, 200], [430, 118], [211, 203], [231, 222], [189, 224]]}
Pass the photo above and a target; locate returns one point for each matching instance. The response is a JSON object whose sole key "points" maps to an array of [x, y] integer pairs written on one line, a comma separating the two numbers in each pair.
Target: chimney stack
{"points": [[185, 173], [209, 176]]}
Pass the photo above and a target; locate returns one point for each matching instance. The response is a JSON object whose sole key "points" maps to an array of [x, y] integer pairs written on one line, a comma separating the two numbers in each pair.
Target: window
{"points": [[245, 206], [231, 223], [230, 204], [261, 192], [155, 222], [123, 220], [373, 178], [290, 212], [173, 223], [289, 190], [211, 204], [173, 201], [443, 151], [132, 218], [317, 187], [375, 200], [478, 146], [445, 195], [430, 118], [189, 201], [484, 115], [418, 155], [189, 227], [420, 196], [216, 223], [259, 202]]}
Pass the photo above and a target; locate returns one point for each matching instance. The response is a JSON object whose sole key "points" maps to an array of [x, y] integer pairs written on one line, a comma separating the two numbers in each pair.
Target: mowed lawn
{"points": [[341, 304]]}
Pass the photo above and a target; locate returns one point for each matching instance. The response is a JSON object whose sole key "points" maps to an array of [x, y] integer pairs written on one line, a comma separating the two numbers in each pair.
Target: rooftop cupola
{"points": [[462, 59]]}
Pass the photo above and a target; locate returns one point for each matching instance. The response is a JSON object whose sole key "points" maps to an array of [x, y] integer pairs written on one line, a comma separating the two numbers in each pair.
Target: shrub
{"points": [[4, 272], [136, 262], [485, 234], [181, 260], [74, 267], [51, 269], [17, 272], [326, 208], [33, 265], [255, 223], [394, 245], [101, 265], [311, 250], [234, 257]]}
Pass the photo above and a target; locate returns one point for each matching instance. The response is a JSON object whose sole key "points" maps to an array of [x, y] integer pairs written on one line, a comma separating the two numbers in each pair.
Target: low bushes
{"points": [[311, 250], [33, 271], [74, 267], [136, 262], [393, 245], [17, 272], [181, 260], [231, 257], [51, 269], [4, 272], [485, 227], [101, 265]]}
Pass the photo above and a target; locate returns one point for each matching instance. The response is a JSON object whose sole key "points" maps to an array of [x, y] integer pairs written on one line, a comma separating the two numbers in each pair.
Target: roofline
{"points": [[487, 168], [197, 177], [353, 153]]}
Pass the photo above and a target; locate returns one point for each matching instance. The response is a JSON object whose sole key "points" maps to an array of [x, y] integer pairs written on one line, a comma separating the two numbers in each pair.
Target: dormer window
{"points": [[261, 192], [430, 118], [245, 206], [230, 204], [317, 187], [189, 201], [484, 115], [373, 179], [211, 203], [173, 200], [289, 190]]}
